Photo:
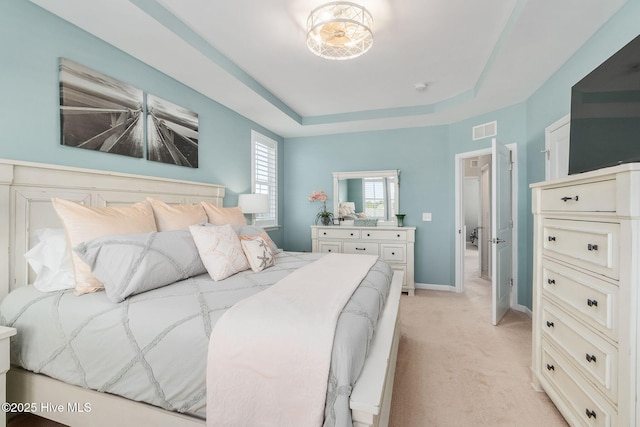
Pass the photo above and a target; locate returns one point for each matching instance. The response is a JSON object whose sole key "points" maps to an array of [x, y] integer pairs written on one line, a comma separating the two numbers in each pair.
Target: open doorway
{"points": [[496, 172], [477, 215]]}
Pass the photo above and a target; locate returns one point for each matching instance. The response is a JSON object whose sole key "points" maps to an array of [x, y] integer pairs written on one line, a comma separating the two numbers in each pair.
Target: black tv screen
{"points": [[605, 113]]}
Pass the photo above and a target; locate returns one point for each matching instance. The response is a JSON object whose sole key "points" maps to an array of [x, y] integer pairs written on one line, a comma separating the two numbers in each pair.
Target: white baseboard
{"points": [[435, 287], [524, 309]]}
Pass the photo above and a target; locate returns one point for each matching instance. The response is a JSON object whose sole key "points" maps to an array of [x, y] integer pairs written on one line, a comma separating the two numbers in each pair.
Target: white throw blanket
{"points": [[270, 354]]}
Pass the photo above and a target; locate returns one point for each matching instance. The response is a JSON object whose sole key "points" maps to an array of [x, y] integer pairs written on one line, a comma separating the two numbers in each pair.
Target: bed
{"points": [[26, 190]]}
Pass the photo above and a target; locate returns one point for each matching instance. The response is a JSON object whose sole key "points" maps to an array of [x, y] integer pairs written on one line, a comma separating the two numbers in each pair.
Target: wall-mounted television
{"points": [[605, 113]]}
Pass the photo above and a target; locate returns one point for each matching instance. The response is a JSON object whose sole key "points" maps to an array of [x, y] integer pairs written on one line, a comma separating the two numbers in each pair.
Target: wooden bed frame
{"points": [[25, 206]]}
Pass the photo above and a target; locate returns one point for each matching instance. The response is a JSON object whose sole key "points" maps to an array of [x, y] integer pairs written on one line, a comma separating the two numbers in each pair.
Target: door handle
{"points": [[496, 240]]}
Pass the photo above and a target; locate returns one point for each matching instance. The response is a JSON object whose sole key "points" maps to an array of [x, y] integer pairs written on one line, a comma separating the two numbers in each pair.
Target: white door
{"points": [[501, 231], [485, 224], [556, 141]]}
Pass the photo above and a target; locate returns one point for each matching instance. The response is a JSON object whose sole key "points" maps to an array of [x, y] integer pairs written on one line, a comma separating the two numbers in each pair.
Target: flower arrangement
{"points": [[323, 214]]}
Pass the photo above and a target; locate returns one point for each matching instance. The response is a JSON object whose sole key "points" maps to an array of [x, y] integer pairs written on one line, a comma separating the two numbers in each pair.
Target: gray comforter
{"points": [[153, 346]]}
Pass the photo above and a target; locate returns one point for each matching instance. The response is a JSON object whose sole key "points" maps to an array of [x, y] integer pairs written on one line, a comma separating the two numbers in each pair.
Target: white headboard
{"points": [[26, 190]]}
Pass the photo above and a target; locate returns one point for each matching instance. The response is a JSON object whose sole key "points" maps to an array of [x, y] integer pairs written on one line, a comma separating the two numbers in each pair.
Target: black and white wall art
{"points": [[172, 133], [98, 112]]}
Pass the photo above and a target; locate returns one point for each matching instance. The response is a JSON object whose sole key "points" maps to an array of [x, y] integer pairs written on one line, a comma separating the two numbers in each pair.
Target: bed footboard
{"points": [[371, 397], [76, 406]]}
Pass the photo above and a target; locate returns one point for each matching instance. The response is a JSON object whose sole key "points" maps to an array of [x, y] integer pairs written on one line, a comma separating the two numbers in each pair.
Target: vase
{"points": [[326, 220], [400, 218]]}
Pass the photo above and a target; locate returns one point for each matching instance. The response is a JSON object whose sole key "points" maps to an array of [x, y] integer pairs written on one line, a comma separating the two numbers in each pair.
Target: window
{"points": [[379, 197], [264, 173]]}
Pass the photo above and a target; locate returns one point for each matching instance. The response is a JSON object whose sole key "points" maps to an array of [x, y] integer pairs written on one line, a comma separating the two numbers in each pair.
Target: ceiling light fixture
{"points": [[339, 30]]}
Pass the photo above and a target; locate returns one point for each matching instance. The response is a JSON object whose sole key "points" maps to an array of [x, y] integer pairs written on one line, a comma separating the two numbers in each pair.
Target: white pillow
{"points": [[50, 260], [258, 253], [220, 250]]}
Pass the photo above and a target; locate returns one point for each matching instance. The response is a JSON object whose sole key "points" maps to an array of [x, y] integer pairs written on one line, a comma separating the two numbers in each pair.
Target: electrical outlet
{"points": [[426, 216]]}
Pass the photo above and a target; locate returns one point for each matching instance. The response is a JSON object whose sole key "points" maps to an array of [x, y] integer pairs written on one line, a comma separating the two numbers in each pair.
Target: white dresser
{"points": [[393, 244], [586, 271]]}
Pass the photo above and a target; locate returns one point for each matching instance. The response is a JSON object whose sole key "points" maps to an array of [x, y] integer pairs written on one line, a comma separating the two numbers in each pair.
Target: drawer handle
{"points": [[592, 302], [324, 233], [397, 235], [590, 358], [552, 238], [565, 199], [550, 367], [550, 324], [393, 253], [329, 250], [368, 234], [361, 249], [551, 281], [590, 413], [592, 247], [351, 234]]}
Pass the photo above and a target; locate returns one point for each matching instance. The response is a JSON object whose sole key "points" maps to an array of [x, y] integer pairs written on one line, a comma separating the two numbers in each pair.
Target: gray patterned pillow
{"points": [[134, 263]]}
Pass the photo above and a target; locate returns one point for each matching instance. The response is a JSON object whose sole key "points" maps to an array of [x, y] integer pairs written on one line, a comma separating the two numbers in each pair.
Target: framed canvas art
{"points": [[100, 113], [172, 133]]}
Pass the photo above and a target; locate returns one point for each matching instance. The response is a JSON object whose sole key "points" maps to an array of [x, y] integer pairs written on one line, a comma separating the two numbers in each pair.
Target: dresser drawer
{"points": [[337, 233], [590, 299], [393, 253], [596, 358], [587, 407], [329, 247], [586, 244], [360, 248], [400, 235], [592, 197]]}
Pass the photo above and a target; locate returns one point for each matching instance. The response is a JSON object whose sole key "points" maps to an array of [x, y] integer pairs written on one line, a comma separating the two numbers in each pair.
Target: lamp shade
{"points": [[253, 203]]}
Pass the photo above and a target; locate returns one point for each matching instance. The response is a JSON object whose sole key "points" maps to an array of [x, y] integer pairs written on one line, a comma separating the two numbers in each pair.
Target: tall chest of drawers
{"points": [[393, 244], [585, 295]]}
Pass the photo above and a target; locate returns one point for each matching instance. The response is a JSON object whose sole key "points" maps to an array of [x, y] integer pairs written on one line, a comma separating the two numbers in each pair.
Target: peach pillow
{"points": [[222, 216], [176, 217], [220, 250], [83, 223]]}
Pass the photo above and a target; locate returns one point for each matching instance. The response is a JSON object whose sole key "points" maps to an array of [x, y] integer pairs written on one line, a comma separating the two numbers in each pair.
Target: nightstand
{"points": [[5, 335]]}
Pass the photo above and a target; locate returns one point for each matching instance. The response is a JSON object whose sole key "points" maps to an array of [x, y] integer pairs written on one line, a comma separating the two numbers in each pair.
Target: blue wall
{"points": [[421, 154], [32, 42], [425, 157]]}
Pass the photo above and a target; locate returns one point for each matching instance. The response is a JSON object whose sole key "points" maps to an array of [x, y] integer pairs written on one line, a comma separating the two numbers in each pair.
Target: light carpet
{"points": [[456, 369]]}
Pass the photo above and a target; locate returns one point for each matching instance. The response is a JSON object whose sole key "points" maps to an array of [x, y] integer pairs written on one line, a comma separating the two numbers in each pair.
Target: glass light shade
{"points": [[339, 30], [253, 203]]}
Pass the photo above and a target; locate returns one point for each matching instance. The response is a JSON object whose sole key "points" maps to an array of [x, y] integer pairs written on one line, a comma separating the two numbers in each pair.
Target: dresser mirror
{"points": [[367, 194]]}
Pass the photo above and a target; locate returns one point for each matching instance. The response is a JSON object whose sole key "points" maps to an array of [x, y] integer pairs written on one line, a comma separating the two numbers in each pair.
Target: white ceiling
{"points": [[251, 55]]}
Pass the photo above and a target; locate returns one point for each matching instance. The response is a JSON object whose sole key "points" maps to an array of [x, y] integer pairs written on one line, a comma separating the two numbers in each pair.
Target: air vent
{"points": [[485, 131], [473, 163]]}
